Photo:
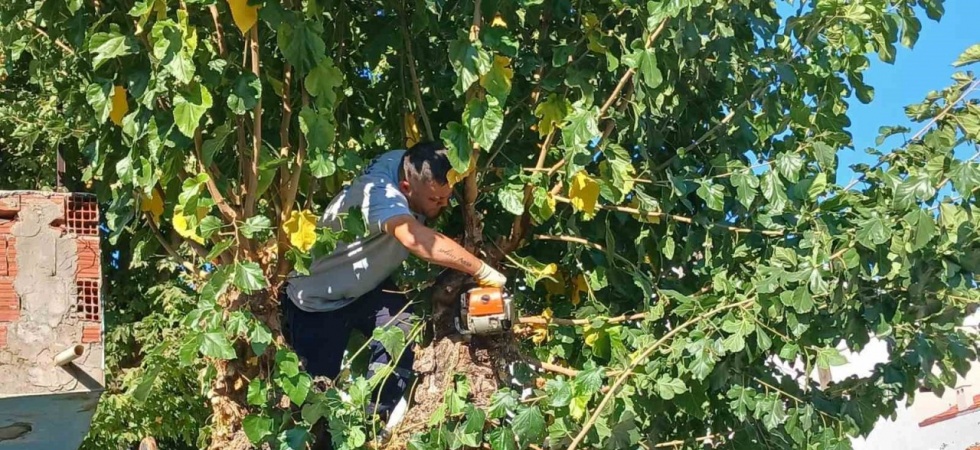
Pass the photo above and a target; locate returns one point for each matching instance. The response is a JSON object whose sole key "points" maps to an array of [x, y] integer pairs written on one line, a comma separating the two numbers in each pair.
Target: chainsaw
{"points": [[485, 310]]}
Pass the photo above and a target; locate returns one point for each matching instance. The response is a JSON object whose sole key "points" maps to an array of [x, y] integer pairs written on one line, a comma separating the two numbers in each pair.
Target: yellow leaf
{"points": [[301, 228], [540, 335], [547, 314], [119, 105], [581, 285], [584, 193], [245, 15], [557, 287], [635, 204], [182, 228], [412, 135], [153, 204], [498, 21], [592, 335], [454, 177], [497, 81]]}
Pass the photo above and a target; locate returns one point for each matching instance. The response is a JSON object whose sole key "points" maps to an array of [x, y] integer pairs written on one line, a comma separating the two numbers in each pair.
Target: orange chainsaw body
{"points": [[485, 310]]}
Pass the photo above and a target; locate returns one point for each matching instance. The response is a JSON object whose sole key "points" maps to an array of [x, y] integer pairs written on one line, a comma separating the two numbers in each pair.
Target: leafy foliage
{"points": [[675, 159]]}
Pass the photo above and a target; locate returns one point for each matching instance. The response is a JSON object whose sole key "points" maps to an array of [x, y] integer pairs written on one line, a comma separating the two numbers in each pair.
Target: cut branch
{"points": [[251, 196], [538, 320], [640, 358]]}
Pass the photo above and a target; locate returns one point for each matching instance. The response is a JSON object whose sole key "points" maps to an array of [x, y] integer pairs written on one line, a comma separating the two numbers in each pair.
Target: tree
{"points": [[660, 176]]}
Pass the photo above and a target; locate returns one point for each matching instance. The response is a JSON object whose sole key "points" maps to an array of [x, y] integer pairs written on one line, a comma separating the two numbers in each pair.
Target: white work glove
{"points": [[489, 277]]}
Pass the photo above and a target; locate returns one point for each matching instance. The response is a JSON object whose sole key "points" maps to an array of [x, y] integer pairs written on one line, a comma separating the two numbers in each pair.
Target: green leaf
{"points": [[965, 177], [789, 166], [818, 187], [667, 387], [484, 119], [829, 356], [923, 228], [217, 345], [258, 392], [915, 187], [969, 56], [215, 143], [469, 61], [746, 186], [774, 191], [111, 45], [713, 195], [189, 106], [501, 403], [645, 62], [147, 379], [209, 226], [470, 433], [98, 94], [798, 299], [245, 93], [458, 146], [529, 424], [260, 337], [742, 401], [296, 439], [319, 128], [497, 81], [248, 277], [323, 81], [257, 428], [287, 363], [297, 387], [559, 391], [825, 155], [392, 338], [512, 200], [542, 205], [873, 232], [580, 127], [172, 47], [588, 381], [255, 225], [551, 113], [301, 44], [502, 438], [189, 348]]}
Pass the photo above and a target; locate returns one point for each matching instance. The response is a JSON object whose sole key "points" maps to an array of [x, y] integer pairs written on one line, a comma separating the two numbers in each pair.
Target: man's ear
{"points": [[404, 186]]}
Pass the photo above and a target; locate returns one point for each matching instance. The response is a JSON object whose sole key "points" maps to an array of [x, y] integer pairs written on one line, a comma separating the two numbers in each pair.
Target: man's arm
{"points": [[437, 248]]}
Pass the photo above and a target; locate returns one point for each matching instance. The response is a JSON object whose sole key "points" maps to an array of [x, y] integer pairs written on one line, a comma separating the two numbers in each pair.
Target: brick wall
{"points": [[80, 222]]}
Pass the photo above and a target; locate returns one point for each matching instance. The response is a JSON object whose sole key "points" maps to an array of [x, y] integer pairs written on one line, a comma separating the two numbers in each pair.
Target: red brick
{"points": [[9, 206], [3, 335], [9, 302], [88, 258], [91, 333]]}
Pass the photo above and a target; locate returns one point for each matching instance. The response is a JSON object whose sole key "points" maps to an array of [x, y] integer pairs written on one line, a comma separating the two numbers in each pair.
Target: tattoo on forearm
{"points": [[458, 259]]}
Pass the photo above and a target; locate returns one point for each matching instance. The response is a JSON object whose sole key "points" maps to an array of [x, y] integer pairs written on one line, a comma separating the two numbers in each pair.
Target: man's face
{"points": [[426, 198]]}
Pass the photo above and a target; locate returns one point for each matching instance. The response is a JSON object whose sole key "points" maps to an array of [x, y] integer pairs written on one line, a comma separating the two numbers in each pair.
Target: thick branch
{"points": [[289, 195], [410, 57], [253, 171], [640, 358]]}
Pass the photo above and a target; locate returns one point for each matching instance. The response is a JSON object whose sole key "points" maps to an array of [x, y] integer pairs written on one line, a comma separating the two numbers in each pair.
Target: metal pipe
{"points": [[69, 354]]}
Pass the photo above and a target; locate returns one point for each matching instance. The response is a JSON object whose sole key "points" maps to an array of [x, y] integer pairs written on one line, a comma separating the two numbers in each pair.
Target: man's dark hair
{"points": [[427, 162]]}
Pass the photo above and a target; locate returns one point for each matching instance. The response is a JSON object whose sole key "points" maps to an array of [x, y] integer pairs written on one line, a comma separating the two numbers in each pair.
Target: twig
{"points": [[572, 239], [615, 95], [57, 42], [629, 73], [477, 19], [226, 209], [636, 361], [538, 320], [410, 58], [219, 31], [677, 218], [253, 174], [290, 191], [884, 158], [166, 245]]}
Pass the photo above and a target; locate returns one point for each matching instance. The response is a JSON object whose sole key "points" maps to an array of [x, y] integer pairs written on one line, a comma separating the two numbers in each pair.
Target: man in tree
{"points": [[350, 288]]}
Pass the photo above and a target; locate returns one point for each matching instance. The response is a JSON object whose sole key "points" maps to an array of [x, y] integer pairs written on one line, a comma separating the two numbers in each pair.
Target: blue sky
{"points": [[926, 67]]}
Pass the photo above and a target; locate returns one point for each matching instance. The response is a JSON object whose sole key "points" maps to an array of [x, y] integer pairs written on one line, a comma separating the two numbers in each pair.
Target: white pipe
{"points": [[69, 354]]}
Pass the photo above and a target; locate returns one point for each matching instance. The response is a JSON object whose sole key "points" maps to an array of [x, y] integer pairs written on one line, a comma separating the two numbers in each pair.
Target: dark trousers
{"points": [[320, 339]]}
